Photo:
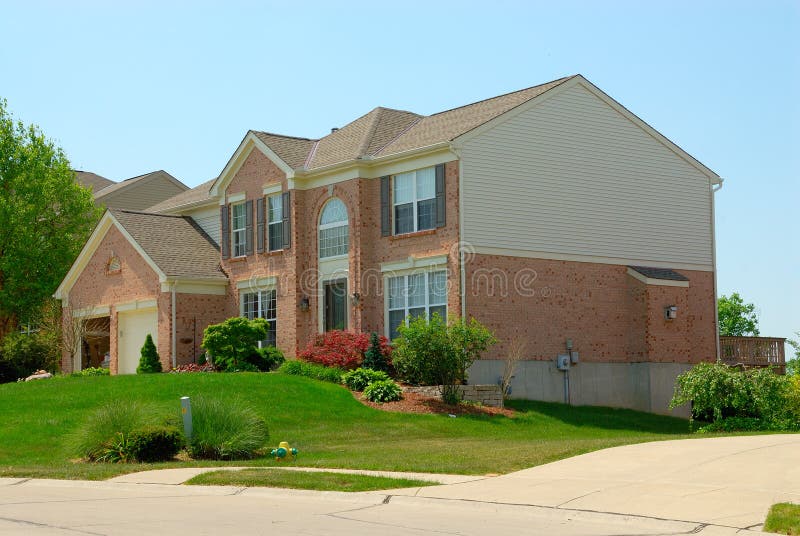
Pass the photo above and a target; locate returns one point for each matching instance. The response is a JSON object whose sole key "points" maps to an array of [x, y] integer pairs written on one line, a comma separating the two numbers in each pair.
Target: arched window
{"points": [[333, 229]]}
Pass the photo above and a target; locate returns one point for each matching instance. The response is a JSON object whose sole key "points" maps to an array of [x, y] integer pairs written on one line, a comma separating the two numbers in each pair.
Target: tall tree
{"points": [[736, 318], [45, 217]]}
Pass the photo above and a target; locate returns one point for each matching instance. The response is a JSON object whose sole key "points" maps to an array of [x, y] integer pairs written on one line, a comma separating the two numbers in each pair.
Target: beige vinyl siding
{"points": [[143, 194], [573, 176], [208, 220]]}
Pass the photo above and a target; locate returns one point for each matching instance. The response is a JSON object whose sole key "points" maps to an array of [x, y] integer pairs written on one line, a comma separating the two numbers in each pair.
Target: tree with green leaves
{"points": [[736, 318], [793, 365], [149, 362], [233, 343], [45, 218], [375, 356]]}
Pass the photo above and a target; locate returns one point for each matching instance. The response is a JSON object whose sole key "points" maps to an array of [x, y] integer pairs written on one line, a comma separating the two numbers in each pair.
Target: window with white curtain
{"points": [[414, 200], [416, 294]]}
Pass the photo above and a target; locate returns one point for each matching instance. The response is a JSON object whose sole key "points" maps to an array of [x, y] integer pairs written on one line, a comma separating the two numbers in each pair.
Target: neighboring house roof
{"points": [[92, 181], [138, 193], [385, 131], [195, 196], [176, 244], [659, 273]]}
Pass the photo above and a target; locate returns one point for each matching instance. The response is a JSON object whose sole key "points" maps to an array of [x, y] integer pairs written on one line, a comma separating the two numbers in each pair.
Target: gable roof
{"points": [[198, 195], [385, 131], [176, 244], [127, 183], [93, 181]]}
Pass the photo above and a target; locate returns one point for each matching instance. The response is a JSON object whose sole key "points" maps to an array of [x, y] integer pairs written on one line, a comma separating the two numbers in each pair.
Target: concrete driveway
{"points": [[703, 486]]}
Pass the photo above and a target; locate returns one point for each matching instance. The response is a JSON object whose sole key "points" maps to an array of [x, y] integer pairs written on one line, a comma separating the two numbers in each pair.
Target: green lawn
{"points": [[328, 426], [783, 518], [321, 481]]}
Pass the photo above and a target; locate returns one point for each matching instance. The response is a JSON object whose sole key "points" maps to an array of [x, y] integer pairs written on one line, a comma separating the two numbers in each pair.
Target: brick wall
{"points": [[610, 316]]}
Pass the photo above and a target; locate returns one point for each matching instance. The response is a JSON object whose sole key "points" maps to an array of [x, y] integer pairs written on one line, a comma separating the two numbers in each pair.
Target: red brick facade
{"points": [[611, 316]]}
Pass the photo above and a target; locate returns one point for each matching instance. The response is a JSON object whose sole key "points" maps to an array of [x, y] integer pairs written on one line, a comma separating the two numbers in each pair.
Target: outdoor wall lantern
{"points": [[356, 298], [304, 305], [671, 312]]}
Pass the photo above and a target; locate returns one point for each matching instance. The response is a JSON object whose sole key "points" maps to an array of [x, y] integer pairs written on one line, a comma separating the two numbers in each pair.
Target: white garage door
{"points": [[132, 329]]}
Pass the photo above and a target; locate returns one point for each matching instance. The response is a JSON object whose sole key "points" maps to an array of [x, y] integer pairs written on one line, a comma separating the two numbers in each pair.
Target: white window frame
{"points": [[414, 201], [273, 222], [334, 225], [261, 309], [239, 234], [427, 306]]}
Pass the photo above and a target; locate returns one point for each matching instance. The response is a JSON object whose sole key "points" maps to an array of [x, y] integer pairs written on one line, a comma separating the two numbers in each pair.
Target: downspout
{"points": [[173, 342], [462, 270], [714, 190]]}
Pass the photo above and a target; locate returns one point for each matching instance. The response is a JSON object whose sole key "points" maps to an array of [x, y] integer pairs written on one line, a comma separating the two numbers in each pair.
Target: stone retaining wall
{"points": [[488, 395]]}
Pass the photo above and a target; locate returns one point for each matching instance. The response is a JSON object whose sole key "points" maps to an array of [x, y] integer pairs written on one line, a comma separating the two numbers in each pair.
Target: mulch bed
{"points": [[416, 403]]}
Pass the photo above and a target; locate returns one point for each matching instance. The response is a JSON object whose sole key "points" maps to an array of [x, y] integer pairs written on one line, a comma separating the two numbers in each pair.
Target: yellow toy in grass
{"points": [[283, 451]]}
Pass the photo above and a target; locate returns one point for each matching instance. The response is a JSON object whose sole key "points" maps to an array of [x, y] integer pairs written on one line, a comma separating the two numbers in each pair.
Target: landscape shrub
{"points": [[718, 392], [91, 371], [377, 355], [748, 424], [343, 349], [267, 358], [233, 343], [295, 367], [360, 378], [154, 443], [383, 391], [104, 436], [23, 354], [149, 362], [434, 352], [226, 429]]}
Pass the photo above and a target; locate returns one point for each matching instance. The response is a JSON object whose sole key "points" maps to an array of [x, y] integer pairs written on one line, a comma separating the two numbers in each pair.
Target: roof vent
{"points": [[334, 129]]}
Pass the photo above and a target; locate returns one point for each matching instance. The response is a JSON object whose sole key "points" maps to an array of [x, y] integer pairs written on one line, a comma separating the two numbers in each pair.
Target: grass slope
{"points": [[321, 481], [322, 420], [783, 518]]}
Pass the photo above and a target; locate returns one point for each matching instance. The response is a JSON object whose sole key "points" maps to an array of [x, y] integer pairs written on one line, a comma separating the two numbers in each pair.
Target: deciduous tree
{"points": [[45, 217], [737, 318]]}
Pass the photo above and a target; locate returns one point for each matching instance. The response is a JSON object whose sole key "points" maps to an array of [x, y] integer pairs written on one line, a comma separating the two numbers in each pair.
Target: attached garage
{"points": [[132, 330]]}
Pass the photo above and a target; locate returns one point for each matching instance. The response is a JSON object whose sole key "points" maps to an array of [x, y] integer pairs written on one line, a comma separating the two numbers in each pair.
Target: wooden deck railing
{"points": [[753, 352]]}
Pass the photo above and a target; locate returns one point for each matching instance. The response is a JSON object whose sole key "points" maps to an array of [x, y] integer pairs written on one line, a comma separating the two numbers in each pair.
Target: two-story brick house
{"points": [[550, 214]]}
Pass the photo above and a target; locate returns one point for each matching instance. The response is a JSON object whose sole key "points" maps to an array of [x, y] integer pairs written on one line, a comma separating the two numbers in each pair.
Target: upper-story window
{"points": [[414, 199], [275, 224], [239, 229], [334, 230]]}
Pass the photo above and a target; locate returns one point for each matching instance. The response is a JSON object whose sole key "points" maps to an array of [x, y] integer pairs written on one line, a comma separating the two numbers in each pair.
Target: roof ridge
{"points": [[409, 127], [285, 136], [559, 80], [310, 155], [145, 213], [365, 141]]}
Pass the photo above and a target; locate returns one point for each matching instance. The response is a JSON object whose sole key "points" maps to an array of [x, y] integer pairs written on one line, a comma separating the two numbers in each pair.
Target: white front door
{"points": [[132, 330]]}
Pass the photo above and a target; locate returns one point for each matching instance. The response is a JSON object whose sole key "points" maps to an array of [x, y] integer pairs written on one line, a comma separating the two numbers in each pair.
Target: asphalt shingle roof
{"points": [[128, 182], [659, 273], [92, 180], [177, 245], [385, 131], [198, 194]]}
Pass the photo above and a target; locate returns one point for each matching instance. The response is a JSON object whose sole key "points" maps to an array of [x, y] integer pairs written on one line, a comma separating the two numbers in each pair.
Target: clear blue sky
{"points": [[129, 87]]}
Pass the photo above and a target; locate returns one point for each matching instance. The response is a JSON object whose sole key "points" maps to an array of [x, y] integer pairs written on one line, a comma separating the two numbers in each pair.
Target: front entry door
{"points": [[336, 304]]}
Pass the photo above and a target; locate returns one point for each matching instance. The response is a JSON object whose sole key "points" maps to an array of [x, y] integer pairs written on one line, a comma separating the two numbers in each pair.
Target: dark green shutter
{"points": [[440, 197], [248, 227], [386, 213], [260, 225], [286, 227], [225, 232]]}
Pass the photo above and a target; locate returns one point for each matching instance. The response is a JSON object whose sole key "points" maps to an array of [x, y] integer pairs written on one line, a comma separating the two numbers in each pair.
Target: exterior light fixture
{"points": [[304, 305], [356, 298], [671, 312]]}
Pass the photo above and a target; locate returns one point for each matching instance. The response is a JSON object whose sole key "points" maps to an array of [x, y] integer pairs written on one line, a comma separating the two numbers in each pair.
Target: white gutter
{"points": [[174, 343], [715, 189]]}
